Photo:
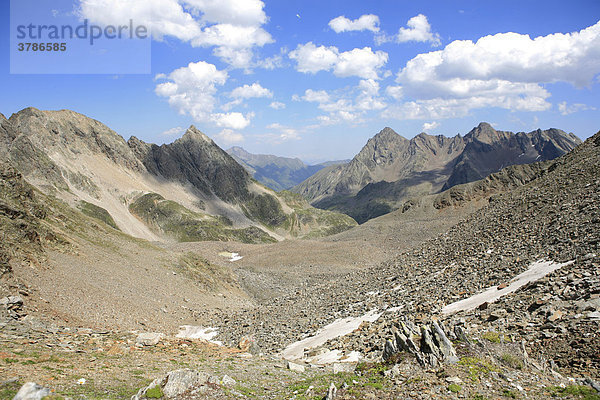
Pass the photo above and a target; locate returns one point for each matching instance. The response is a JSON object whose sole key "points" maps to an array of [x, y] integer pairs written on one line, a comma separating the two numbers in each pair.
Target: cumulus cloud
{"points": [[395, 92], [285, 133], [228, 137], [276, 105], [173, 131], [566, 109], [348, 105], [363, 63], [319, 96], [418, 30], [233, 120], [236, 12], [232, 27], [429, 126], [250, 91], [367, 22], [505, 70], [191, 90]]}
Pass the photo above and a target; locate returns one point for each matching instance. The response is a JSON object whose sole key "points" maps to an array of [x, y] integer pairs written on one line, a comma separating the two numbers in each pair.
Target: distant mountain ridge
{"points": [[390, 168], [187, 190], [278, 173]]}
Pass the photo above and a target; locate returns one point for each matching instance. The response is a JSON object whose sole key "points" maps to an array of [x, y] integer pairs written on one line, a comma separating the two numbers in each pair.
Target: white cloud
{"points": [[251, 91], [237, 12], [430, 126], [368, 22], [418, 30], [312, 59], [162, 17], [173, 131], [319, 96], [228, 137], [566, 109], [232, 27], [191, 90], [363, 63], [395, 92], [505, 70], [285, 133], [276, 105], [348, 105], [233, 120], [368, 96]]}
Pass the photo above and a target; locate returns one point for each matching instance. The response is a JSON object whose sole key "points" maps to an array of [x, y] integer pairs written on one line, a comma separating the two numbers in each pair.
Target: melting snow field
{"points": [[337, 328], [537, 270], [232, 256], [198, 332]]}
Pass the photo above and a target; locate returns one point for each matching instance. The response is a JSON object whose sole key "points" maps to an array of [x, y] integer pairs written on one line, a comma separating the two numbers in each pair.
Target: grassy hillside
{"points": [[169, 218]]}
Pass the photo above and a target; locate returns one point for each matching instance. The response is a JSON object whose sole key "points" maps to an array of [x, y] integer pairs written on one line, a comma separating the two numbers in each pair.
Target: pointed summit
{"points": [[387, 133], [485, 133], [193, 132]]}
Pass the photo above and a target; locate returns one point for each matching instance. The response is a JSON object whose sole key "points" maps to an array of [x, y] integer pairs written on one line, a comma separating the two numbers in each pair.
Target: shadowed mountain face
{"points": [[390, 168], [195, 158], [187, 190], [278, 173]]}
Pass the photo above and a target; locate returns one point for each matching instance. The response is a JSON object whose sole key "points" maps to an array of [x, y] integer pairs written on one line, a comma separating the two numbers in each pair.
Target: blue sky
{"points": [[316, 79]]}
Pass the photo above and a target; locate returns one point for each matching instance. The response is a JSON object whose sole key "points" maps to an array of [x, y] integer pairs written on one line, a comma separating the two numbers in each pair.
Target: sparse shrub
{"points": [[454, 388], [509, 393], [511, 361], [574, 391], [477, 367], [154, 393], [492, 336]]}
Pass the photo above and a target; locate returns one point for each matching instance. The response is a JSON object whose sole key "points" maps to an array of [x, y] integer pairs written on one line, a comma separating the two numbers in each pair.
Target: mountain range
{"points": [[188, 190], [391, 169], [278, 173]]}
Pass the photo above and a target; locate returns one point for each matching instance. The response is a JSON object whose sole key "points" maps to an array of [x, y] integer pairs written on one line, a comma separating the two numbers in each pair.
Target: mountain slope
{"points": [[82, 161], [390, 168], [554, 216], [278, 173]]}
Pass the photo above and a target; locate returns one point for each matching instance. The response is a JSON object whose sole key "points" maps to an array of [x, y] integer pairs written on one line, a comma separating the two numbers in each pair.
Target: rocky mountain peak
{"points": [[485, 133], [194, 133], [238, 151], [387, 134]]}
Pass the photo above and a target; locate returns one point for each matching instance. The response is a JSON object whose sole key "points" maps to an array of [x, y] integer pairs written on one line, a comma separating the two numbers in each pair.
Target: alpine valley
{"points": [[424, 268]]}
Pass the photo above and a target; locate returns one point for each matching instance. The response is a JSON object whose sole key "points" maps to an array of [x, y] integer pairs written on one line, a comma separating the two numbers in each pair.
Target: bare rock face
{"points": [[390, 169], [32, 391], [86, 164], [195, 158]]}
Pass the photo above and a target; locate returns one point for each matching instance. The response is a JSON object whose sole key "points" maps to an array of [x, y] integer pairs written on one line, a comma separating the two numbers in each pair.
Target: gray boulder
{"points": [[32, 391]]}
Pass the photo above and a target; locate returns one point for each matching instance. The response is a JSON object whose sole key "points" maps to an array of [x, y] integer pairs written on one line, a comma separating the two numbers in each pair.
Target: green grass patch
{"points": [[477, 367], [454, 388], [493, 337], [511, 361], [154, 393], [96, 212], [166, 217], [574, 391]]}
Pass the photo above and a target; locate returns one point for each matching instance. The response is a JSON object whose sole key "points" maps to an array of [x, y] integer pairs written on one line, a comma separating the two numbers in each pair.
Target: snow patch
{"points": [[198, 332], [337, 328], [537, 270]]}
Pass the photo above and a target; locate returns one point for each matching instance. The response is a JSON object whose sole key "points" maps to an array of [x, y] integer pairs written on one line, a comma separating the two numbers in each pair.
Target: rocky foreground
{"points": [[539, 342], [555, 217]]}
